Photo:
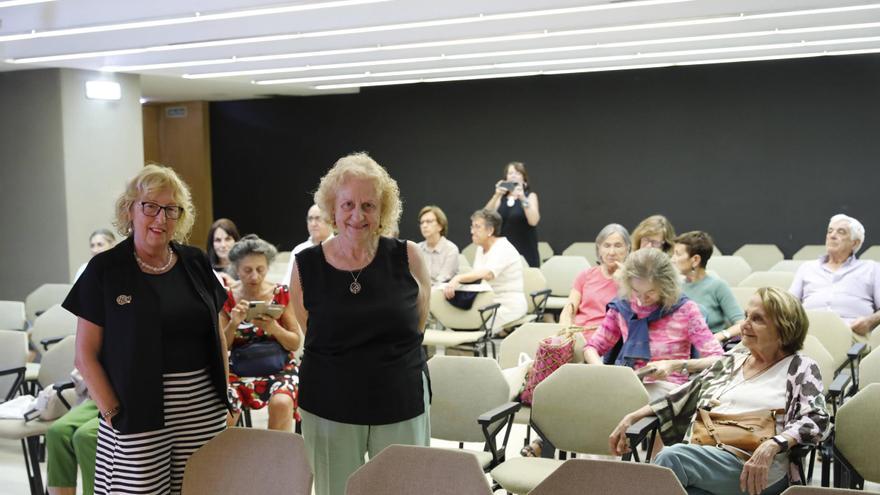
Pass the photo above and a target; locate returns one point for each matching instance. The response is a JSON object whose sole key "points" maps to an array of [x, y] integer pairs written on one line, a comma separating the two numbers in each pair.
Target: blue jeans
{"points": [[708, 470]]}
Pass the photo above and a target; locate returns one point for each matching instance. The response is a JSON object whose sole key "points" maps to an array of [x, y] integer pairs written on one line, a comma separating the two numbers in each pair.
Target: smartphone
{"points": [[263, 308], [509, 185]]}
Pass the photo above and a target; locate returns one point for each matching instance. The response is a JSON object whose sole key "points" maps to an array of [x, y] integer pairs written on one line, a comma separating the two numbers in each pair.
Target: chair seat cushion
{"points": [[450, 338], [554, 302], [521, 475], [16, 429]]}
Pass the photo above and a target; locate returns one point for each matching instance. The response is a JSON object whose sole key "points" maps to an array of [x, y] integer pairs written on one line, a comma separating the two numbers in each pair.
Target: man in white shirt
{"points": [[319, 231]]}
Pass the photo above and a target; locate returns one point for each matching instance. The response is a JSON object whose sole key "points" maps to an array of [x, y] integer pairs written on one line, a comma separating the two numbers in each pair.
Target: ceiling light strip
{"points": [[759, 58], [18, 3], [530, 51], [175, 21], [581, 60]]}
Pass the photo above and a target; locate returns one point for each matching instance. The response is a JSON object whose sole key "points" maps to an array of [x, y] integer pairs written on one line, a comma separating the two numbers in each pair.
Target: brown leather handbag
{"points": [[740, 434]]}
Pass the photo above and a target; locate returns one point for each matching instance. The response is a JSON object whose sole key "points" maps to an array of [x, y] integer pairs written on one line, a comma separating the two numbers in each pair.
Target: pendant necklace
{"points": [[355, 286]]}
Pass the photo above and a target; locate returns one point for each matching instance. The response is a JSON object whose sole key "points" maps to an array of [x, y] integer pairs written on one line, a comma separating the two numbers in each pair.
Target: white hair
{"points": [[856, 229]]}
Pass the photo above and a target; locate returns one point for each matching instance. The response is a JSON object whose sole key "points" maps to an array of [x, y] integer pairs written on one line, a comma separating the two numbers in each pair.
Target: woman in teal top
{"points": [[690, 254]]}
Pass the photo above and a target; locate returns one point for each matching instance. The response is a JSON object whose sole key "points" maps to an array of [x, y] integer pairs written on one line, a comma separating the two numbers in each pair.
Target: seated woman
{"points": [[766, 373], [100, 241], [595, 287], [440, 254], [250, 258], [499, 264], [690, 254], [656, 232], [222, 235], [657, 324]]}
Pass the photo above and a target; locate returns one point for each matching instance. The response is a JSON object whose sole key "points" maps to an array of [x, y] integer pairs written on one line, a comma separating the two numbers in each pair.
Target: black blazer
{"points": [[114, 294]]}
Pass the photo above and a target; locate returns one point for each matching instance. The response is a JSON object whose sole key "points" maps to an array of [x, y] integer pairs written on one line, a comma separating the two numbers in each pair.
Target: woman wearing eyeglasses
{"points": [[148, 340]]}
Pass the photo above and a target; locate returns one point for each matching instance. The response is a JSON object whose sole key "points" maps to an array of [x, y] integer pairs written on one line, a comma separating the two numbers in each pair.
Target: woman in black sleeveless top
{"points": [[362, 300], [518, 207]]}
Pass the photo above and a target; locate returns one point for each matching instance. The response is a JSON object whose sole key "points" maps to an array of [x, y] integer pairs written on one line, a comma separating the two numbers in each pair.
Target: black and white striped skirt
{"points": [[152, 462]]}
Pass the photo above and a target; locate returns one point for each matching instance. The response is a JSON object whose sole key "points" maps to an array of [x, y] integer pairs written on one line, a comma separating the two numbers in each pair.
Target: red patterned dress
{"points": [[254, 392]]}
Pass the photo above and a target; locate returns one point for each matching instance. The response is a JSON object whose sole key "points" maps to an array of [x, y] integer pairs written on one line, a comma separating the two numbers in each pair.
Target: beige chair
{"points": [[810, 252], [815, 350], [282, 257], [743, 295], [760, 256], [780, 280], [836, 336], [869, 369], [470, 403], [524, 340], [856, 437], [51, 326], [43, 297], [560, 272], [816, 490], [787, 266], [463, 264], [585, 249], [545, 251], [537, 294], [56, 367], [732, 269], [13, 356], [247, 460], [470, 252], [874, 339], [716, 251], [609, 477], [408, 470], [872, 253], [575, 409], [464, 329], [12, 315]]}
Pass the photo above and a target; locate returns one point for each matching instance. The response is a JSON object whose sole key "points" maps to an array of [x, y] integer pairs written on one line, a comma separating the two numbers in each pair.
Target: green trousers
{"points": [[336, 450], [73, 439]]}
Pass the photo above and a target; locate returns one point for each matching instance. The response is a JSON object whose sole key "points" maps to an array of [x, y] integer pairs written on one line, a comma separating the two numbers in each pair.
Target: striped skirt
{"points": [[152, 462]]}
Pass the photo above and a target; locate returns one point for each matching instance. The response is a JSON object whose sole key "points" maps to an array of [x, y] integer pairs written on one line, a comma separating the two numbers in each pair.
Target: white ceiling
{"points": [[474, 38]]}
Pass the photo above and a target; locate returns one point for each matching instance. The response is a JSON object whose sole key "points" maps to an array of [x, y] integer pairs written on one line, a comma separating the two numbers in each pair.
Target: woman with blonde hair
{"points": [[361, 298], [656, 324], [148, 341], [655, 231]]}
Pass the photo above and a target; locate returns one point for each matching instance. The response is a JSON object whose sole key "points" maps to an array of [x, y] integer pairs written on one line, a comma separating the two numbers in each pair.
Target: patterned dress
{"points": [[254, 392]]}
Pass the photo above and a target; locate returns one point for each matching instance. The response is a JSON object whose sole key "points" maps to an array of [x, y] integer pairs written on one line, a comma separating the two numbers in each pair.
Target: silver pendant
{"points": [[355, 287]]}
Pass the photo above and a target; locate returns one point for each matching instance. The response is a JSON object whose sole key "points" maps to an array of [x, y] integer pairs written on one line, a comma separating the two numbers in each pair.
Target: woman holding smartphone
{"points": [[518, 207], [250, 258]]}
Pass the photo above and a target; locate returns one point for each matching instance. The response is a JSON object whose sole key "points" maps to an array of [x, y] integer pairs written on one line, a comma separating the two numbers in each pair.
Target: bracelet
{"points": [[109, 413], [684, 366], [525, 203]]}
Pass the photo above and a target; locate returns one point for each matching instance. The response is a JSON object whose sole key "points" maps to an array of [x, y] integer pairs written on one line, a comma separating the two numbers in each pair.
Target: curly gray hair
{"points": [[248, 245]]}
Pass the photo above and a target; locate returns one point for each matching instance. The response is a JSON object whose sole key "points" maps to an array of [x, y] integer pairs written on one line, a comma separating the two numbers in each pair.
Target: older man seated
{"points": [[841, 283]]}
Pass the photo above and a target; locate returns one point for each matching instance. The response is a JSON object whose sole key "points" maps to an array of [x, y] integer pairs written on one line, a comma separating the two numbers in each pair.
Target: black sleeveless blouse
{"points": [[515, 226], [363, 360]]}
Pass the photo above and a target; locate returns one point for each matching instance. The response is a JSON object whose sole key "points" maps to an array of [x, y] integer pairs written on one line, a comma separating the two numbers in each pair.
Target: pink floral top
{"points": [[670, 337]]}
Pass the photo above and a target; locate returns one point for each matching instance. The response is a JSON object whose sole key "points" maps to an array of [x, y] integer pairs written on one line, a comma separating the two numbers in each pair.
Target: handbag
{"points": [[262, 358], [740, 434], [552, 353]]}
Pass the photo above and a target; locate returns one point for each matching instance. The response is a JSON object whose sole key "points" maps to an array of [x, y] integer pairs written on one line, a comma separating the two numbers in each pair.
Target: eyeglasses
{"points": [[151, 209]]}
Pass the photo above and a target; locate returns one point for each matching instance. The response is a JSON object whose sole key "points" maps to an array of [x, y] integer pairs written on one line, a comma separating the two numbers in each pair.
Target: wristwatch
{"points": [[782, 442]]}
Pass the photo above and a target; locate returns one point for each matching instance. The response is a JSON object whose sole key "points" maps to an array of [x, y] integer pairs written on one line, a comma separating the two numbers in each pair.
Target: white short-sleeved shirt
{"points": [[504, 262]]}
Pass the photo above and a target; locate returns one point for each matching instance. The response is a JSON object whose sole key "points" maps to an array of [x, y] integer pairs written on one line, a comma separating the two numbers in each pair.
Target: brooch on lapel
{"points": [[123, 300]]}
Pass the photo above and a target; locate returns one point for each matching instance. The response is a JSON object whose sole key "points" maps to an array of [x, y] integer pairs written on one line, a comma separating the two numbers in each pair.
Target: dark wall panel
{"points": [[756, 152]]}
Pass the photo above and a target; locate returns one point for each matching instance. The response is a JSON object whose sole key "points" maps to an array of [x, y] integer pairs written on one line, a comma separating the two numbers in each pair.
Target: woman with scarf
{"points": [[656, 325]]}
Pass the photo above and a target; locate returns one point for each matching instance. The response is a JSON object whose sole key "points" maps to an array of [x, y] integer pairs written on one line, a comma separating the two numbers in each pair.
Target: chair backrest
{"points": [[810, 252], [282, 257], [57, 362], [585, 249], [780, 280], [869, 369], [43, 297], [787, 266], [464, 265], [524, 340], [470, 252], [451, 317], [13, 354], [545, 250], [743, 295], [857, 432], [576, 395], [405, 470], [760, 256], [874, 340], [462, 389], [815, 350], [872, 253], [533, 280], [54, 322], [238, 461], [610, 478], [12, 315], [832, 332], [817, 490], [732, 269], [560, 272]]}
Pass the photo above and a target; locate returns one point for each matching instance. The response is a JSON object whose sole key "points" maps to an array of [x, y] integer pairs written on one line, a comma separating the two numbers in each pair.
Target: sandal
{"points": [[533, 449]]}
